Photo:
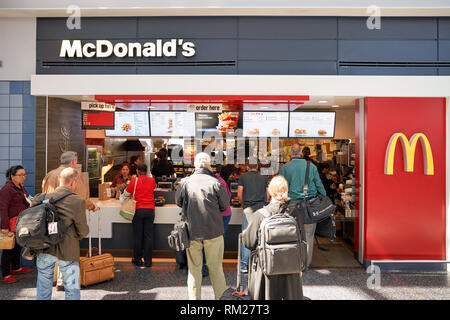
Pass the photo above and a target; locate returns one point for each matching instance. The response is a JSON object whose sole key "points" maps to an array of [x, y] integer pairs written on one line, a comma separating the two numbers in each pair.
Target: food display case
{"points": [[94, 167]]}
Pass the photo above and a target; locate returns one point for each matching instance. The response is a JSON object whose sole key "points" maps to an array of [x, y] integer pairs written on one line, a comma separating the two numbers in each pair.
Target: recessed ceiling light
{"points": [[336, 106], [323, 101], [264, 107]]}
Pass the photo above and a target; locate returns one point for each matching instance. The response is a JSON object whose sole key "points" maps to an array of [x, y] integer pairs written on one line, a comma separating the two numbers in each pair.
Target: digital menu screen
{"points": [[97, 120], [312, 124], [172, 124], [130, 124], [218, 123], [266, 124]]}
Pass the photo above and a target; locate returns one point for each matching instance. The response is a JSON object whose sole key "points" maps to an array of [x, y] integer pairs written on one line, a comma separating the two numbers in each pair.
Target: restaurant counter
{"points": [[109, 214]]}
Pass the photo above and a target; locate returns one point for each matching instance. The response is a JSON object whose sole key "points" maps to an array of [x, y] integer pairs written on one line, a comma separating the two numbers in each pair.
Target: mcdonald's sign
{"points": [[409, 150]]}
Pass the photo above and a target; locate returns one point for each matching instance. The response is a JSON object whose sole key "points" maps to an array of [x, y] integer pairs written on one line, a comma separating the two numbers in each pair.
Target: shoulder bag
{"points": [[314, 209], [128, 207], [179, 237]]}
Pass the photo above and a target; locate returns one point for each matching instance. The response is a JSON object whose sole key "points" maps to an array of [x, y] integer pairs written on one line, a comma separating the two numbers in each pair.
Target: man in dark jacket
{"points": [[203, 198], [71, 210]]}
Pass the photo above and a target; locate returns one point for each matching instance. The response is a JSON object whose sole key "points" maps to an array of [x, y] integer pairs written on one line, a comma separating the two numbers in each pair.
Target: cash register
{"points": [[164, 192]]}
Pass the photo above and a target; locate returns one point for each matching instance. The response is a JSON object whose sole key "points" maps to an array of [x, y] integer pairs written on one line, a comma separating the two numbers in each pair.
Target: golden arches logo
{"points": [[409, 150]]}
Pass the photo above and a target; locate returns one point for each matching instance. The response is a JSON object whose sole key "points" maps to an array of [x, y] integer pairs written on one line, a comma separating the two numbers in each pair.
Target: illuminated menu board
{"points": [[97, 120], [172, 124], [130, 124], [312, 124], [265, 124]]}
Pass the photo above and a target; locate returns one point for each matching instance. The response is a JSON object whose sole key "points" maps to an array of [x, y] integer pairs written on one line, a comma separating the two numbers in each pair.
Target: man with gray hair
{"points": [[51, 181], [66, 253], [203, 198], [295, 173]]}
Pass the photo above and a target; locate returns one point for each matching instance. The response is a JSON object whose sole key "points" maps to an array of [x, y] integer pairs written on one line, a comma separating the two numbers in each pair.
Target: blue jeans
{"points": [[226, 222], [71, 277], [244, 251]]}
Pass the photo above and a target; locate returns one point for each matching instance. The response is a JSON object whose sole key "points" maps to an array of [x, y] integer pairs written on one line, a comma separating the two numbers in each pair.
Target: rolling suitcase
{"points": [[236, 293], [96, 269]]}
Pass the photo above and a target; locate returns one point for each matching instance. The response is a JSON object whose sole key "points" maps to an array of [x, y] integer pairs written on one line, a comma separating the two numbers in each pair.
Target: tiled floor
{"points": [[165, 282]]}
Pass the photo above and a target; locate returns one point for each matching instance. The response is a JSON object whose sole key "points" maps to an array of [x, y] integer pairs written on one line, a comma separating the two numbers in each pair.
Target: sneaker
{"points": [[20, 270], [9, 279], [137, 263], [244, 270], [59, 287]]}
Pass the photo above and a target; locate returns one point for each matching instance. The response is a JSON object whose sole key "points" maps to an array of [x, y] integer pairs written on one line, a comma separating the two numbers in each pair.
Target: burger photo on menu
{"points": [[322, 132], [227, 121], [254, 131], [300, 131]]}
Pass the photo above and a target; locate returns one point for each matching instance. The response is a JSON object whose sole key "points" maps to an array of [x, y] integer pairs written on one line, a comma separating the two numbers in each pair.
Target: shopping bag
{"points": [[128, 207]]}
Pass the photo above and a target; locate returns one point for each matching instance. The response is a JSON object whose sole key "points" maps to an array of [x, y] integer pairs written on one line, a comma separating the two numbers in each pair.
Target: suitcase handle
{"points": [[98, 234]]}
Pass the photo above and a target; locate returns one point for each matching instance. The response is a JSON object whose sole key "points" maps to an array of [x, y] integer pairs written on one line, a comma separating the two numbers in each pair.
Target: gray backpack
{"points": [[281, 248]]}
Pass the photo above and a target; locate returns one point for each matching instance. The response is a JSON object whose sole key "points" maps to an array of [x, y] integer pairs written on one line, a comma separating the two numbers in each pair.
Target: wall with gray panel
{"points": [[257, 45]]}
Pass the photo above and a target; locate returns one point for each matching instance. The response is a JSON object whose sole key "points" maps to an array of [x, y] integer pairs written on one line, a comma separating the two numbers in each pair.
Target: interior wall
{"points": [[18, 48], [64, 131], [345, 124]]}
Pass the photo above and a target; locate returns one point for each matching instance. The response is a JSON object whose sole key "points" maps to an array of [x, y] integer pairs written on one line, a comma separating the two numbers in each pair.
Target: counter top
{"points": [[109, 214]]}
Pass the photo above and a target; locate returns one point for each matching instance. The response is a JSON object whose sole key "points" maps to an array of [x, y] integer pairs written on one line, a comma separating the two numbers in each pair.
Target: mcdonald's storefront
{"points": [[399, 121], [403, 173]]}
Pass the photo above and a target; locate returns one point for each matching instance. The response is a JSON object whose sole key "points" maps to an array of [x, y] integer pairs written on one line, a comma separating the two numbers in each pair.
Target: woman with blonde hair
{"points": [[275, 287]]}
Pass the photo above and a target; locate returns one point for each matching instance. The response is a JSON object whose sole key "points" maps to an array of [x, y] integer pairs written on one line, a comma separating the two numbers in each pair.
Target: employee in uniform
{"points": [[123, 178]]}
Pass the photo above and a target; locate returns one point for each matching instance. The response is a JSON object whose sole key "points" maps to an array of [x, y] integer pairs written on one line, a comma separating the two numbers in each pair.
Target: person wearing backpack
{"points": [[12, 203], [68, 159], [66, 253], [281, 286]]}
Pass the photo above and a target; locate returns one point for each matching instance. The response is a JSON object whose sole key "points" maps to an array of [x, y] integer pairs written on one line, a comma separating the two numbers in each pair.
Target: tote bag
{"points": [[128, 207], [7, 241]]}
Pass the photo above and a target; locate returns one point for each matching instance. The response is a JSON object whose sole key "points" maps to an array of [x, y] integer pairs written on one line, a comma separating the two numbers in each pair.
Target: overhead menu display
{"points": [[172, 124], [130, 124], [265, 124], [312, 124]]}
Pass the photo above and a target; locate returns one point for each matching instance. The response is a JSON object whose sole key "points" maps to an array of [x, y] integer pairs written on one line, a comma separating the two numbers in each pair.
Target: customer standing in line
{"points": [[295, 172], [275, 287], [252, 194], [66, 253], [144, 216], [203, 199], [50, 183], [12, 202], [223, 176]]}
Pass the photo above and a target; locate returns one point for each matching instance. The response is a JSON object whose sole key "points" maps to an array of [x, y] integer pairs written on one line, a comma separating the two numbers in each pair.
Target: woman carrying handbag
{"points": [[142, 187], [13, 200]]}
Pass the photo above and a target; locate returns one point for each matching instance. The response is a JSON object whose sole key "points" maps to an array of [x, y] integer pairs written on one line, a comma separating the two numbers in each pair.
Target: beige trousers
{"points": [[214, 257]]}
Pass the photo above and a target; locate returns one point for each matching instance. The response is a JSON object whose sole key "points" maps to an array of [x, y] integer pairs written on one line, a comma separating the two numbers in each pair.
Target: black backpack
{"points": [[40, 226]]}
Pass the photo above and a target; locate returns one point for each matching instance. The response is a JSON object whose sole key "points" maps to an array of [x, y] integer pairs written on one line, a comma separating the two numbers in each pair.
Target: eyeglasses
{"points": [[21, 175]]}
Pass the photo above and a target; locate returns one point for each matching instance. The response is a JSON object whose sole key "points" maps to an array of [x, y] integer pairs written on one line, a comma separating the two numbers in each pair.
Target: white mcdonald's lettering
{"points": [[105, 48], [409, 150]]}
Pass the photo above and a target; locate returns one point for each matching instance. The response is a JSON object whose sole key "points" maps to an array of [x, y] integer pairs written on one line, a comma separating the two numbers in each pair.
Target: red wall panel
{"points": [[404, 213]]}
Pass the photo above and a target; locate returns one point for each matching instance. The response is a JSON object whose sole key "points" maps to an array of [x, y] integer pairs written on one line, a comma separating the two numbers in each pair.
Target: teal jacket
{"points": [[294, 172]]}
